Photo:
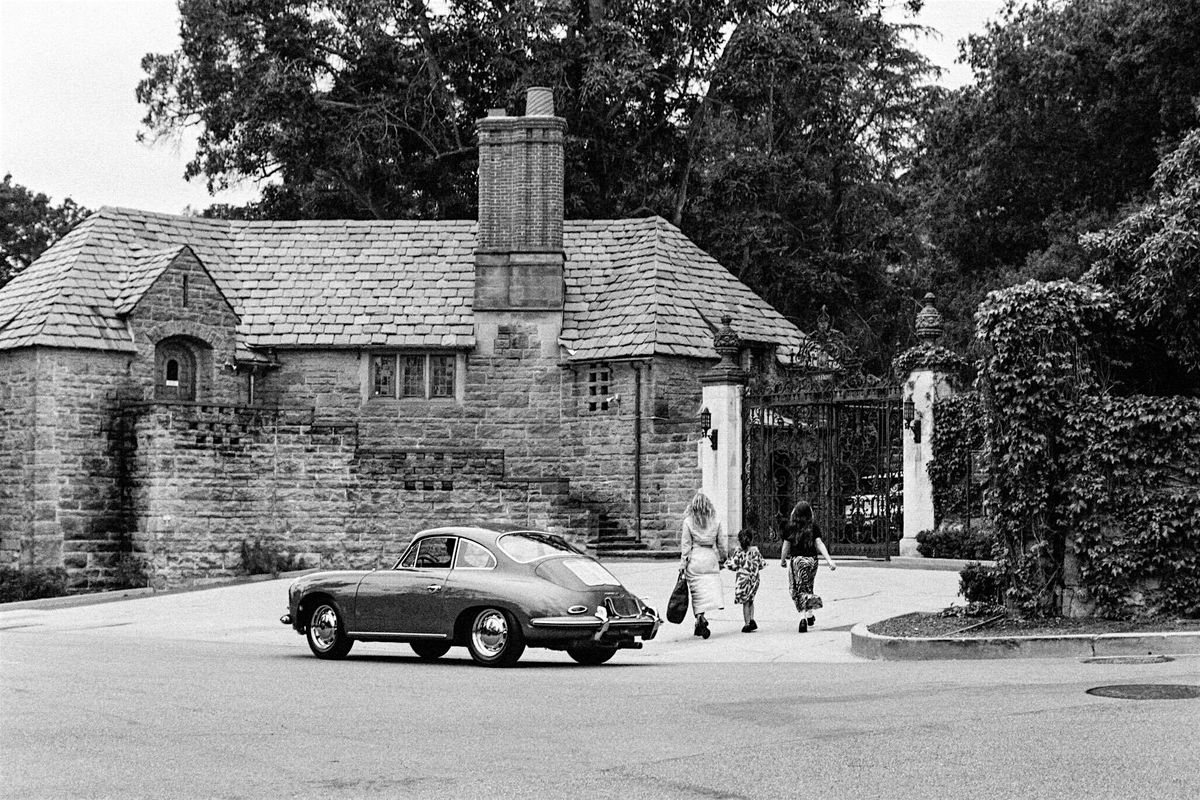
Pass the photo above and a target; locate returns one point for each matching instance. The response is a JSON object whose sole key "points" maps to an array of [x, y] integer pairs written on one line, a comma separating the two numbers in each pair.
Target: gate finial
{"points": [[727, 344], [929, 321]]}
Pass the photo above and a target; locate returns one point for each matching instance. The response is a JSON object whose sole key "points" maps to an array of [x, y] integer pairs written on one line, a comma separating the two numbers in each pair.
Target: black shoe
{"points": [[702, 629], [699, 631], [803, 626], [753, 625], [748, 628], [812, 620]]}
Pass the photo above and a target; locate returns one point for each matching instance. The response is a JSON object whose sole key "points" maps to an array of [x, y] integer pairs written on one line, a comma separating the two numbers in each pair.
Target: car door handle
{"points": [[433, 587]]}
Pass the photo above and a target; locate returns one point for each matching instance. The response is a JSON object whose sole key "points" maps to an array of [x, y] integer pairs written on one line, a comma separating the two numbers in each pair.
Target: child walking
{"points": [[747, 562]]}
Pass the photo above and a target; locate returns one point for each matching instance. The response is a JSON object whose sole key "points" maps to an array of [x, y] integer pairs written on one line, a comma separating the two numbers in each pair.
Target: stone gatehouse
{"points": [[175, 386]]}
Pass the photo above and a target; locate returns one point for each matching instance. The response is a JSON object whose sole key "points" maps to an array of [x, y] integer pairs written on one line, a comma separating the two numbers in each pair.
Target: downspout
{"points": [[637, 450]]}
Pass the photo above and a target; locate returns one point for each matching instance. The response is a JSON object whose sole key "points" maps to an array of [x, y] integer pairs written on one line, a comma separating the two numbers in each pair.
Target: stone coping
{"points": [[895, 648], [95, 598]]}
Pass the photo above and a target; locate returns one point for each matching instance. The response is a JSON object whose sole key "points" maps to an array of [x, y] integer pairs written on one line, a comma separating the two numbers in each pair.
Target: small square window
{"points": [[599, 383]]}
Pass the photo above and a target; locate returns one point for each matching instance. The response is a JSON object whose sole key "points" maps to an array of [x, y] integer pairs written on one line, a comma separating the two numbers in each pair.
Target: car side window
{"points": [[409, 559], [436, 552], [472, 555]]}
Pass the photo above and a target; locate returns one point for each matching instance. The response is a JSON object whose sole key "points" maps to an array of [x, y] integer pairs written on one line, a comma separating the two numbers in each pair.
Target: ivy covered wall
{"points": [[1093, 495]]}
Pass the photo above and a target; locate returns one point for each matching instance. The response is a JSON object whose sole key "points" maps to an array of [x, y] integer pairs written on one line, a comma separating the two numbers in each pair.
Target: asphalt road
{"points": [[195, 695]]}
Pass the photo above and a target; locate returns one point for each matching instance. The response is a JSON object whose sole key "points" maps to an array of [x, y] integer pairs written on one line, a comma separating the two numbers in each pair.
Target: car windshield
{"points": [[529, 545]]}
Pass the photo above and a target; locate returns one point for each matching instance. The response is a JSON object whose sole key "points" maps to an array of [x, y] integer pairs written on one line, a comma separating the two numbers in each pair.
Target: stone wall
{"points": [[205, 479], [18, 404], [66, 508]]}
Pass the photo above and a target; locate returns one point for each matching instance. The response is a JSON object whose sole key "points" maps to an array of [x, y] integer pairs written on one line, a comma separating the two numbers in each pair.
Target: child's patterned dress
{"points": [[747, 564]]}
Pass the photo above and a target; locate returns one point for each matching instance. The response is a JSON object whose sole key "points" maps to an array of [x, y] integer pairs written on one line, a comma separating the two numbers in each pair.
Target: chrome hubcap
{"points": [[323, 627], [490, 633]]}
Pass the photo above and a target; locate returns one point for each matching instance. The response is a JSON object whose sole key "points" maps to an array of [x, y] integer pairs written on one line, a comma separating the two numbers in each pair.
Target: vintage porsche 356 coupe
{"points": [[494, 589]]}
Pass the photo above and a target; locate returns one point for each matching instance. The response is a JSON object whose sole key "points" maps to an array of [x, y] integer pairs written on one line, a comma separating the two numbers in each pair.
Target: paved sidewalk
{"points": [[249, 613]]}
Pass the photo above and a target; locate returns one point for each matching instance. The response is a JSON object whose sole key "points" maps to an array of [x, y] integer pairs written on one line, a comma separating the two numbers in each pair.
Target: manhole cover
{"points": [[1148, 691], [1128, 660]]}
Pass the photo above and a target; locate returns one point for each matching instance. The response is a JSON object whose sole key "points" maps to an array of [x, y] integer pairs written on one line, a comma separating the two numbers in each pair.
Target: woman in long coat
{"points": [[703, 548]]}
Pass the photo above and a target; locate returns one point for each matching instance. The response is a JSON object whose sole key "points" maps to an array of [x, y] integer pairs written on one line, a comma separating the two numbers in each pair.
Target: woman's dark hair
{"points": [[746, 537], [802, 513]]}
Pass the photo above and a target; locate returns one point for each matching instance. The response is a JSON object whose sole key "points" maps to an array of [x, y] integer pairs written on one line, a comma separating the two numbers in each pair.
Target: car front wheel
{"points": [[327, 633], [430, 650], [495, 639], [591, 656]]}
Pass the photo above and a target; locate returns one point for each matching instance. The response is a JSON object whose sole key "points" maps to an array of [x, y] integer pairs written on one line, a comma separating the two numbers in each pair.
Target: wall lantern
{"points": [[912, 420], [706, 429]]}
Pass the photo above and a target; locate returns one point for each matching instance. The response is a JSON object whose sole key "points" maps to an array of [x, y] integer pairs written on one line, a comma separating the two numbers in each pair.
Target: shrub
{"points": [[265, 559], [30, 583], [129, 572], [952, 540], [980, 584]]}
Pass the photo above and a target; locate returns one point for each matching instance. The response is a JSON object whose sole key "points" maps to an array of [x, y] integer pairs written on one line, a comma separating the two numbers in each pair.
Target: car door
{"points": [[407, 600], [473, 580]]}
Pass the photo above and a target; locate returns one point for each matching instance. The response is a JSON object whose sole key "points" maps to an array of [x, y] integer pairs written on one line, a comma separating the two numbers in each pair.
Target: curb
{"points": [[96, 598], [893, 648]]}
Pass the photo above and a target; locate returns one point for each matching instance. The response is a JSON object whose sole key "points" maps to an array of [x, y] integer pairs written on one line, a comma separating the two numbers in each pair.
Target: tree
{"points": [[797, 188], [29, 225], [1072, 103], [1151, 259]]}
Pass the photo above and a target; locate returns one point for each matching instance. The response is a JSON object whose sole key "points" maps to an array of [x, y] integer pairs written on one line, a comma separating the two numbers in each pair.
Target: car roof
{"points": [[484, 534]]}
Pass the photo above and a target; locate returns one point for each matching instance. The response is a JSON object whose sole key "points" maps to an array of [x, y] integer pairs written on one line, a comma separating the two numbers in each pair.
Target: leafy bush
{"points": [[957, 438], [980, 584], [953, 540], [265, 559], [30, 583], [129, 572]]}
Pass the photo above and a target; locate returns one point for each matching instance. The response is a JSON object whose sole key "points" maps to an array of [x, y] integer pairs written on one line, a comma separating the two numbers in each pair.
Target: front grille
{"points": [[622, 606]]}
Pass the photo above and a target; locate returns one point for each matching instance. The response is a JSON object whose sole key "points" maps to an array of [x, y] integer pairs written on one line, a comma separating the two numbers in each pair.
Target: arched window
{"points": [[175, 368]]}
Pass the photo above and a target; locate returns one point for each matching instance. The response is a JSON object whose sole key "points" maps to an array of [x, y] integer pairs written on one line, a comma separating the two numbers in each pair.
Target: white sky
{"points": [[69, 118]]}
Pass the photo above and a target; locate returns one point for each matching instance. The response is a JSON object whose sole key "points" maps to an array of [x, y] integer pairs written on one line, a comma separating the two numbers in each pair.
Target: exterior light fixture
{"points": [[912, 420], [706, 429]]}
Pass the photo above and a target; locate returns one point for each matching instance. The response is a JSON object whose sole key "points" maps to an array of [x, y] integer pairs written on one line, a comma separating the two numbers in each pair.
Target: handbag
{"points": [[677, 605]]}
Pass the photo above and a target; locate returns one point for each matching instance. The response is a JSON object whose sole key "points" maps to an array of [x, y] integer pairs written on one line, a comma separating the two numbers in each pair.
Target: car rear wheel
{"points": [[591, 655], [495, 639], [327, 633], [429, 650]]}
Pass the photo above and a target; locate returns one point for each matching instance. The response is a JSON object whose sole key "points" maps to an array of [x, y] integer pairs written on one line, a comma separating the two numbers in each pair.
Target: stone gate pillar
{"points": [[929, 372], [720, 450]]}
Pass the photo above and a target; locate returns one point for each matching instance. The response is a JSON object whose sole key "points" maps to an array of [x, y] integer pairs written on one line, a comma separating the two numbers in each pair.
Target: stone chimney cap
{"points": [[539, 101], [497, 112]]}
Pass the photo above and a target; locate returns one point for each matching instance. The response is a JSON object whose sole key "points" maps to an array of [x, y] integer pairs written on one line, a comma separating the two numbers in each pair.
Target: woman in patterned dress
{"points": [[702, 548], [801, 546]]}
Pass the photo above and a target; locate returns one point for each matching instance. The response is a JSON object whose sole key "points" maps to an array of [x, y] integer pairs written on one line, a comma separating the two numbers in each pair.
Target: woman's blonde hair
{"points": [[701, 510]]}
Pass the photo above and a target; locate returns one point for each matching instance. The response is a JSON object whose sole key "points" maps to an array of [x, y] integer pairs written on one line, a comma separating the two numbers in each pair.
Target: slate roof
{"points": [[634, 287]]}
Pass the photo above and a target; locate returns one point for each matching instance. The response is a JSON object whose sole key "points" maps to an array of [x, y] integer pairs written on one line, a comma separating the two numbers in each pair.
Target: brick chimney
{"points": [[519, 255]]}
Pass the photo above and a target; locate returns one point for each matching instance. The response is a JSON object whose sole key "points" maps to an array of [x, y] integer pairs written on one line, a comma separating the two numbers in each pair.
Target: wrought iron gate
{"points": [[830, 434]]}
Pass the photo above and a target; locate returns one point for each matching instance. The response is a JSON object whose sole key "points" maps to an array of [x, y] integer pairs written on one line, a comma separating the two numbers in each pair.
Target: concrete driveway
{"points": [[249, 613]]}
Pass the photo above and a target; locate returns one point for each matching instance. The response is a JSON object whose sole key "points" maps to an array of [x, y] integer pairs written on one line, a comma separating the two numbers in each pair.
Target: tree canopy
{"points": [[29, 224], [1073, 102]]}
